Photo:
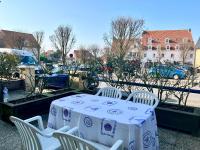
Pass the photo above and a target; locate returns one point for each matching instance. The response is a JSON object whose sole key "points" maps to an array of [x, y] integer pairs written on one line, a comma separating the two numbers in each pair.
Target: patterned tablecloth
{"points": [[105, 120]]}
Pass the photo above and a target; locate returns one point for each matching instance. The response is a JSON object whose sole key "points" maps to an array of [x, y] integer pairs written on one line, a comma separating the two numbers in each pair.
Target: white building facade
{"points": [[168, 46]]}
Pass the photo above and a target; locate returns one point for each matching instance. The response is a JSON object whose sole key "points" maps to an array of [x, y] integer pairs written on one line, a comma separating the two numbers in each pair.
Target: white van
{"points": [[25, 58]]}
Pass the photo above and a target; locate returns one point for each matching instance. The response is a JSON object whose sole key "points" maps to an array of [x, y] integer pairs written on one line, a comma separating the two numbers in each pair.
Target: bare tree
{"points": [[39, 37], [19, 42], [83, 55], [124, 32], [185, 48], [15, 41], [63, 40], [95, 51]]}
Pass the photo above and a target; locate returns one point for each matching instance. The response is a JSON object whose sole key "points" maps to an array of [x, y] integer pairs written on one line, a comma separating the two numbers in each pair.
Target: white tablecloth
{"points": [[105, 120]]}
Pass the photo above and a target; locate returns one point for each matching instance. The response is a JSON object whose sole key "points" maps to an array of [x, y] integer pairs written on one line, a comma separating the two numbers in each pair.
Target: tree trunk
{"points": [[39, 56]]}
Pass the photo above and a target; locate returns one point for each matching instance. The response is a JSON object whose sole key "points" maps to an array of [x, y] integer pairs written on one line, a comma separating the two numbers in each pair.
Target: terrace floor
{"points": [[169, 140]]}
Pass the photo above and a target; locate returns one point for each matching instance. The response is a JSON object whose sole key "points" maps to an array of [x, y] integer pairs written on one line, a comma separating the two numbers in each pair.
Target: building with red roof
{"points": [[82, 56], [168, 46], [18, 40]]}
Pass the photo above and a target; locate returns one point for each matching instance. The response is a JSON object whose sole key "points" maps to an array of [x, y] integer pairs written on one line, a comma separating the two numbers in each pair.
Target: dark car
{"points": [[167, 71], [55, 81]]}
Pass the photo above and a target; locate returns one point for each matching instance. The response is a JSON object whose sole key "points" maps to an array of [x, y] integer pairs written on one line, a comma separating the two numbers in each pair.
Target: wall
{"points": [[197, 59]]}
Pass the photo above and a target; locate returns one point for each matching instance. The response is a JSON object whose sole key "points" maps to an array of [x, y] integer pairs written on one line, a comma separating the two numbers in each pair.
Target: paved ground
{"points": [[169, 140]]}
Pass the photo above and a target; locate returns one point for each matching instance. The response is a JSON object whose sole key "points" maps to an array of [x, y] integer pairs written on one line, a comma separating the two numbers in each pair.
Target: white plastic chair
{"points": [[36, 138], [71, 142], [144, 97], [110, 92]]}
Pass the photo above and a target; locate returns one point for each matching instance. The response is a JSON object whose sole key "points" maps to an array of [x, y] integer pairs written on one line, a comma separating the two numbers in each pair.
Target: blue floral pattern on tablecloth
{"points": [[77, 102], [92, 108], [108, 127], [131, 145], [114, 111], [88, 122], [53, 111], [109, 103], [148, 139], [149, 111], [66, 114]]}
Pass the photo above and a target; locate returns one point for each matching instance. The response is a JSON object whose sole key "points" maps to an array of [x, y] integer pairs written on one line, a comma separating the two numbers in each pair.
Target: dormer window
{"points": [[177, 47], [168, 47], [167, 40], [150, 40], [149, 47]]}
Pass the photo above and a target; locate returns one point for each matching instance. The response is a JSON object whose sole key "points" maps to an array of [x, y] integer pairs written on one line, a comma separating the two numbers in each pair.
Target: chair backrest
{"points": [[71, 142], [143, 97], [110, 92], [27, 133]]}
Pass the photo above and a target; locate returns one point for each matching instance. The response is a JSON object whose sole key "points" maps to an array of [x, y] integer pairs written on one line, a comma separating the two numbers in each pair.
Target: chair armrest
{"points": [[38, 119], [63, 129], [98, 93], [117, 145], [73, 130]]}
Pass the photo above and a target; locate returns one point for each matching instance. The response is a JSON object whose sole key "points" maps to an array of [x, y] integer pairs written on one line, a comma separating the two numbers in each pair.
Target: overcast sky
{"points": [[90, 19]]}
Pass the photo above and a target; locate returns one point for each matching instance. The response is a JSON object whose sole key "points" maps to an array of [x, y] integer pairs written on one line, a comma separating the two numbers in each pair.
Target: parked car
{"points": [[55, 81], [166, 71], [186, 68]]}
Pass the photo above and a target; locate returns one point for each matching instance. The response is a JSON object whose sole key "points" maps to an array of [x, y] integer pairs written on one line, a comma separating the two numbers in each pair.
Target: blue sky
{"points": [[90, 19]]}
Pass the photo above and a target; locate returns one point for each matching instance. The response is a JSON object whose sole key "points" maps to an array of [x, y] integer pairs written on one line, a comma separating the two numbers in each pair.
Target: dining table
{"points": [[106, 120]]}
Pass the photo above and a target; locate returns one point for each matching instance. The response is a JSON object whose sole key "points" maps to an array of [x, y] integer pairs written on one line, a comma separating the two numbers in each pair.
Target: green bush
{"points": [[8, 64]]}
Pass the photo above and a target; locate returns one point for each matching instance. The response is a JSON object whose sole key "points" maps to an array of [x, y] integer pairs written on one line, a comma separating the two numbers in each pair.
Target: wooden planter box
{"points": [[26, 109], [186, 121]]}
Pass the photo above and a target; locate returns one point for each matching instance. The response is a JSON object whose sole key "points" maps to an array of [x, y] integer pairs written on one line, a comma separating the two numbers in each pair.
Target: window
{"points": [[158, 47], [167, 40], [172, 55], [154, 55], [131, 54], [145, 55], [149, 40], [163, 55], [191, 55], [168, 47], [177, 47], [149, 47], [27, 60]]}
